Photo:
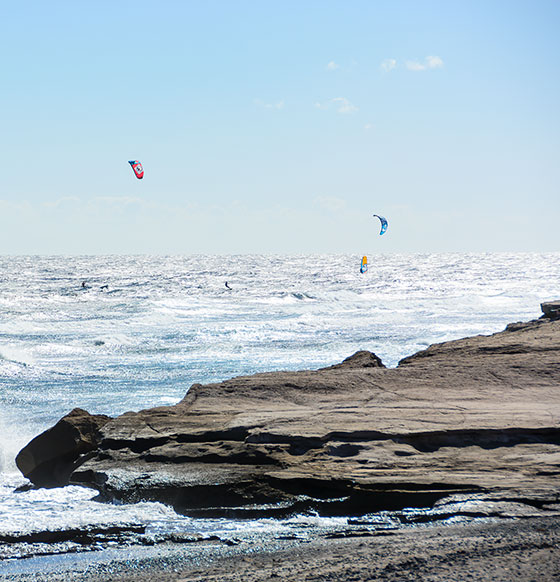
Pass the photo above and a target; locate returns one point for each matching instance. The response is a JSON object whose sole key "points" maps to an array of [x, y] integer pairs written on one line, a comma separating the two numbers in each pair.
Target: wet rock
{"points": [[49, 458]]}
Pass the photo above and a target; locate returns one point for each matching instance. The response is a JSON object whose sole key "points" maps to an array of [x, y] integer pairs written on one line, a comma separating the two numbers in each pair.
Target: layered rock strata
{"points": [[477, 416]]}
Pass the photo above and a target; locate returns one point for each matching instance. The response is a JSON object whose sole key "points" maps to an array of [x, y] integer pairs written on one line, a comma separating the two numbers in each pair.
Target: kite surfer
{"points": [[364, 265]]}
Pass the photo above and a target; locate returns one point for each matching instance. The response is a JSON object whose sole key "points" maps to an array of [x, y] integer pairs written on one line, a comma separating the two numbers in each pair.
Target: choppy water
{"points": [[144, 329]]}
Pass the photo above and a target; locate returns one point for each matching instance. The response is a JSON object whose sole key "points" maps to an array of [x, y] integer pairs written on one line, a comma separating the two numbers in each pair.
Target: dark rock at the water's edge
{"points": [[551, 309], [361, 359], [49, 459], [477, 417]]}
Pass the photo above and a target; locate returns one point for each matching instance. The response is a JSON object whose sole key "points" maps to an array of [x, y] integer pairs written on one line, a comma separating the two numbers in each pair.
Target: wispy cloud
{"points": [[388, 65], [330, 203], [332, 66], [8, 205], [430, 62], [340, 104], [116, 201], [61, 202], [277, 105], [343, 105], [434, 62], [415, 66], [368, 126], [321, 105]]}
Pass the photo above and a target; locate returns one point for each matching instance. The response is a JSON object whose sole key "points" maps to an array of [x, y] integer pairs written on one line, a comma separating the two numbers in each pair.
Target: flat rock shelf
{"points": [[474, 418]]}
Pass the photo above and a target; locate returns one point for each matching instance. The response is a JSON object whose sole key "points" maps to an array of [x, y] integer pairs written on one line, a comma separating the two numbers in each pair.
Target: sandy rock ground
{"points": [[500, 551]]}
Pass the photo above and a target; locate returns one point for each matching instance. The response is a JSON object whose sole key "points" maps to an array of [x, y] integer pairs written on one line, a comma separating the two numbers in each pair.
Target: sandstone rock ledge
{"points": [[477, 418]]}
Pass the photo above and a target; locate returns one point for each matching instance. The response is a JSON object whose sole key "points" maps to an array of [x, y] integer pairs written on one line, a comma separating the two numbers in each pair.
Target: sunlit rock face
{"points": [[479, 415]]}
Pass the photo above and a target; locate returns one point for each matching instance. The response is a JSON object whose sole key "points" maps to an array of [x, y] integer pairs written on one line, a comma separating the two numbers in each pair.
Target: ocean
{"points": [[116, 333]]}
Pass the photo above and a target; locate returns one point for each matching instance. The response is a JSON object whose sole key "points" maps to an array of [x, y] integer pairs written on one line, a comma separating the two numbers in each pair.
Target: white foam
{"points": [[68, 507], [17, 354]]}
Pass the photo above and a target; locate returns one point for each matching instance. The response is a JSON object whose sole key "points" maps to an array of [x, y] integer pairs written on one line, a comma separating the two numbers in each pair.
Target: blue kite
{"points": [[384, 224]]}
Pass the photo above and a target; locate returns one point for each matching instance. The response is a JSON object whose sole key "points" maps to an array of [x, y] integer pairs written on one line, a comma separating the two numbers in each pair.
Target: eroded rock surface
{"points": [[479, 415]]}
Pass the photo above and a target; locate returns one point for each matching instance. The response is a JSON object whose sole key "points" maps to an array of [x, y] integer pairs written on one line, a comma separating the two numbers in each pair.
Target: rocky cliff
{"points": [[478, 416]]}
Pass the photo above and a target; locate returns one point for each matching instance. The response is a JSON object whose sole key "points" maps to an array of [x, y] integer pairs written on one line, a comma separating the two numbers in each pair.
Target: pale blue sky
{"points": [[279, 126]]}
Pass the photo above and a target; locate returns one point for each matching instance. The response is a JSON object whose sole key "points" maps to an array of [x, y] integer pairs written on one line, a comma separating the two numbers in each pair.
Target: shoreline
{"points": [[500, 551], [467, 430]]}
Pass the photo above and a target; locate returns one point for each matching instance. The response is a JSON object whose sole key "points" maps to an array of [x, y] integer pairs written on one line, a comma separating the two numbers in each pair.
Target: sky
{"points": [[279, 127]]}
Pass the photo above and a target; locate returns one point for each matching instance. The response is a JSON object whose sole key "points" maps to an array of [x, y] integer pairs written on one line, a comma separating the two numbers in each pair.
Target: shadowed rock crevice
{"points": [[138, 445], [221, 452], [279, 497], [484, 438], [424, 442]]}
